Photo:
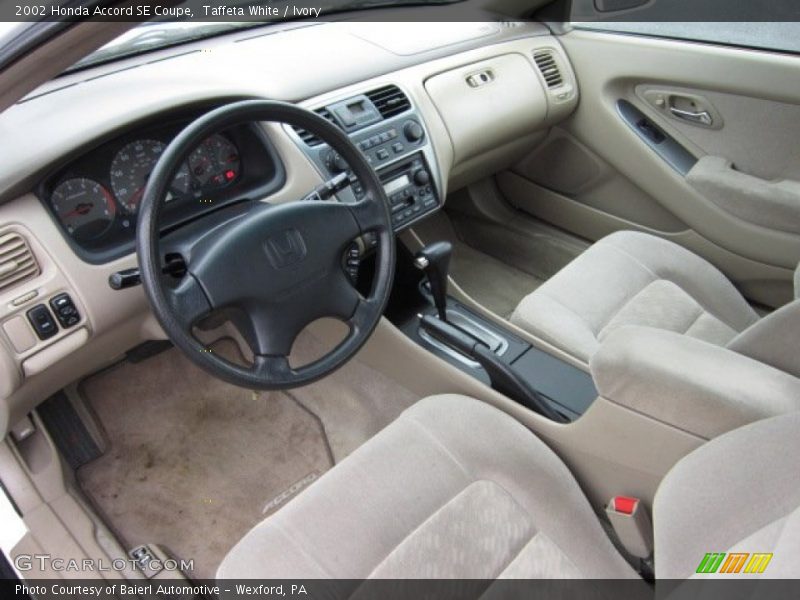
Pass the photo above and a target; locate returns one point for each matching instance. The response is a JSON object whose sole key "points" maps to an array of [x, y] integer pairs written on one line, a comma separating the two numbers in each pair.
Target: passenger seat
{"points": [[631, 278]]}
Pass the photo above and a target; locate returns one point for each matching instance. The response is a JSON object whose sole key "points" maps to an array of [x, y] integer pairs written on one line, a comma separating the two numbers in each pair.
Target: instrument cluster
{"points": [[87, 208], [96, 197]]}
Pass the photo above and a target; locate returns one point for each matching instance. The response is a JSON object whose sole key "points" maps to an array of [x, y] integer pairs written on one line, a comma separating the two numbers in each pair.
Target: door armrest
{"points": [[772, 204]]}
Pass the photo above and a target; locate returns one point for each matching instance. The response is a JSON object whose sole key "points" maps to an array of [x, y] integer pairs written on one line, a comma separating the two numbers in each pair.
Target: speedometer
{"points": [[131, 168], [84, 207]]}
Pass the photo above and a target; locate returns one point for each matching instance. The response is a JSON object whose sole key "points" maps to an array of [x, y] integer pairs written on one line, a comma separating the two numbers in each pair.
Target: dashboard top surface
{"points": [[68, 113]]}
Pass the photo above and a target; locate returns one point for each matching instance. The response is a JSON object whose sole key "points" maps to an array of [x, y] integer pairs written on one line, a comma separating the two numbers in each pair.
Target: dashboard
{"points": [[84, 145], [95, 197]]}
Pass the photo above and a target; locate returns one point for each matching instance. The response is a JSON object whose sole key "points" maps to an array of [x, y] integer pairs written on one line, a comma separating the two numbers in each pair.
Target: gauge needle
{"points": [[136, 197], [80, 210]]}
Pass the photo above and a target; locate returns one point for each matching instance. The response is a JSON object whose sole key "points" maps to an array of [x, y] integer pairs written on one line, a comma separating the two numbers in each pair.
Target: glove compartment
{"points": [[490, 103]]}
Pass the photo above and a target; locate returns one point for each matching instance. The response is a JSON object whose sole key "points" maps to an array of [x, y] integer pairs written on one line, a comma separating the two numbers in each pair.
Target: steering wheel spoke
{"points": [[189, 302], [272, 367], [370, 214]]}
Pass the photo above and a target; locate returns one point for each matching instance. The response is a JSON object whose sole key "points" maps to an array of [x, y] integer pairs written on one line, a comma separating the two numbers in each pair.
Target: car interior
{"points": [[367, 297]]}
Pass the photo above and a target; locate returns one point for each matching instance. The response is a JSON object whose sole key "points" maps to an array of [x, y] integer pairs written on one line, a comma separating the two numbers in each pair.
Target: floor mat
{"points": [[192, 461], [353, 403], [494, 284]]}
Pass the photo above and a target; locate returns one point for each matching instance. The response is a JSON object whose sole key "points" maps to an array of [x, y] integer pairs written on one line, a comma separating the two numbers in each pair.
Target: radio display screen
{"points": [[356, 108], [396, 184]]}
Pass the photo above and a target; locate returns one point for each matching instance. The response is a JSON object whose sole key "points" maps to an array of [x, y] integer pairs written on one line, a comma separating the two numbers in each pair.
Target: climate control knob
{"points": [[421, 178], [413, 131]]}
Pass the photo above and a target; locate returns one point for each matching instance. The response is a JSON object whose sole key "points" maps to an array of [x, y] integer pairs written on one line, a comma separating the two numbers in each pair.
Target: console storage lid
{"points": [[688, 383]]}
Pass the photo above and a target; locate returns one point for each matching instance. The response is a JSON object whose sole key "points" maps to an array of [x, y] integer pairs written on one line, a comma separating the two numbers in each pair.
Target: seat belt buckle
{"points": [[629, 519]]}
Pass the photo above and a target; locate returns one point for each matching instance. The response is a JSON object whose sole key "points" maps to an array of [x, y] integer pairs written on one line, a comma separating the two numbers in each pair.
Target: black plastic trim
{"points": [[675, 155]]}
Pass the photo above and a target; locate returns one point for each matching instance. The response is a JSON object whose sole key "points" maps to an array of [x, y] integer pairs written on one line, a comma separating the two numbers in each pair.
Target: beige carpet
{"points": [[353, 403], [494, 284], [193, 463]]}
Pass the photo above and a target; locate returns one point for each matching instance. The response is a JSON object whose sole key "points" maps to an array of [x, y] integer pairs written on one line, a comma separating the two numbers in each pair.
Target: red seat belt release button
{"points": [[629, 519], [625, 504]]}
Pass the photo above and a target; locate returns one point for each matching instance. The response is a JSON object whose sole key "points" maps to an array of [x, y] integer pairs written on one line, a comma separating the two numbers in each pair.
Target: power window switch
{"points": [[42, 322], [65, 310]]}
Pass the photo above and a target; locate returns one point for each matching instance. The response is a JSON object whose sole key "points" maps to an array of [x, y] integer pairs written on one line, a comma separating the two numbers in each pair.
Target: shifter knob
{"points": [[434, 260]]}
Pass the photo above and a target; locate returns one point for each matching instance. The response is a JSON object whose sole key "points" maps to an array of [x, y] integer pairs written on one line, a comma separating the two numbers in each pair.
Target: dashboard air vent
{"points": [[546, 62], [17, 263], [389, 100], [309, 138]]}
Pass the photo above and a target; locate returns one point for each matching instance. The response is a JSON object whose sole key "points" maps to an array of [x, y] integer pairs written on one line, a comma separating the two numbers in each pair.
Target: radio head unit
{"points": [[384, 125], [409, 190]]}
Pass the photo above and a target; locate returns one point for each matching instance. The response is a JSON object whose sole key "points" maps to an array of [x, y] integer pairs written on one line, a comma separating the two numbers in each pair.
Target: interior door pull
{"points": [[703, 117]]}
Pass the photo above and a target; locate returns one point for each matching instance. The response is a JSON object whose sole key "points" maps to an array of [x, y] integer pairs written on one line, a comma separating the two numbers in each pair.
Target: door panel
{"points": [[605, 176]]}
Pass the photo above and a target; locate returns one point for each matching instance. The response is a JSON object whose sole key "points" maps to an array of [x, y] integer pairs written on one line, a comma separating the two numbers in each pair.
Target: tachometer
{"points": [[131, 168], [215, 162], [85, 207]]}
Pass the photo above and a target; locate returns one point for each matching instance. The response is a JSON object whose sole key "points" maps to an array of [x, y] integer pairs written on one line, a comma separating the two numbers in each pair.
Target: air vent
{"points": [[549, 67], [309, 138], [389, 100], [17, 263]]}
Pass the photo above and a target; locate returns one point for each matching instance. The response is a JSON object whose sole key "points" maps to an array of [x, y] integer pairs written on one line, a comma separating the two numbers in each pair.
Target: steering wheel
{"points": [[273, 270]]}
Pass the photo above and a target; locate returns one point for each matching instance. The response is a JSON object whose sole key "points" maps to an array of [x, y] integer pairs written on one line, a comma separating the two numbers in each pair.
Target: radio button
{"points": [[382, 154]]}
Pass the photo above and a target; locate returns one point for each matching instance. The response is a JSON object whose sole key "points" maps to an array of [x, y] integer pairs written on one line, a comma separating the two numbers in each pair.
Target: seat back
{"points": [[773, 339], [738, 494]]}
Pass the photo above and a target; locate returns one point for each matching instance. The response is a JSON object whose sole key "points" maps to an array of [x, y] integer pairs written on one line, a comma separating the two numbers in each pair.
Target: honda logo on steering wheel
{"points": [[285, 248]]}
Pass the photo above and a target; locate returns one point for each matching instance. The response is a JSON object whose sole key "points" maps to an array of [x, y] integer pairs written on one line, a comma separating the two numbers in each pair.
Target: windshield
{"points": [[240, 14]]}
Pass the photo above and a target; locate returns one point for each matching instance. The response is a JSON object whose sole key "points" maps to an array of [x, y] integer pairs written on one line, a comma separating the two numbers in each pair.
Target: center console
{"points": [[384, 124], [421, 308]]}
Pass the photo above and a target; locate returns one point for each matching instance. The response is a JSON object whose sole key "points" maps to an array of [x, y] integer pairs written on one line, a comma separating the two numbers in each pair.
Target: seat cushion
{"points": [[453, 488], [631, 278]]}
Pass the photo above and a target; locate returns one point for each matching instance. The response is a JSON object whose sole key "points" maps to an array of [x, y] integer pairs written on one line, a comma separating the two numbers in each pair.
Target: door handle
{"points": [[703, 117]]}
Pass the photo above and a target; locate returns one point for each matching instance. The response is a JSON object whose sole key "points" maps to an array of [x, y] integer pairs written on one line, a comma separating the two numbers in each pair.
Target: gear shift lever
{"points": [[434, 260]]}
